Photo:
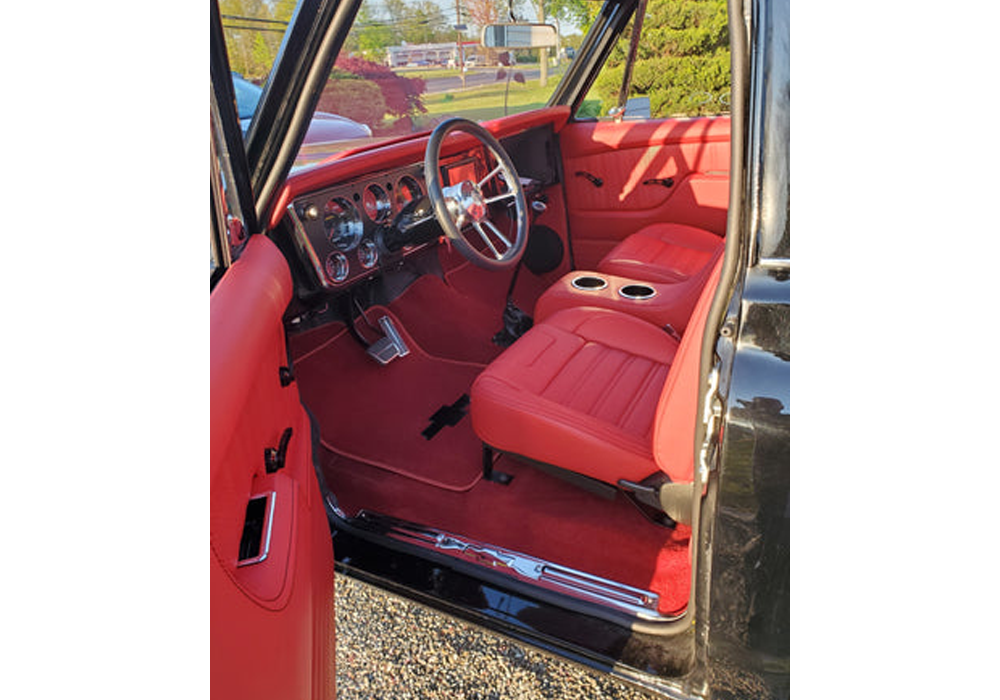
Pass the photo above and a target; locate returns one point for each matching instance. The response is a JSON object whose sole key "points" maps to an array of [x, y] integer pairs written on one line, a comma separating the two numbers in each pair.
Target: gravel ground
{"points": [[388, 647]]}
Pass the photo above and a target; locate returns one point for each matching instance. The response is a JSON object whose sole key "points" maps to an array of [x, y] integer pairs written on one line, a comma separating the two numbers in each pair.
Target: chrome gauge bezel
{"points": [[340, 239], [368, 254], [337, 267], [342, 223], [405, 183], [376, 203]]}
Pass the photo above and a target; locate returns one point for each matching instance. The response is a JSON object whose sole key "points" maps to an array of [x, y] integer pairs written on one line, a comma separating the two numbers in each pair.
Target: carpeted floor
{"points": [[385, 453]]}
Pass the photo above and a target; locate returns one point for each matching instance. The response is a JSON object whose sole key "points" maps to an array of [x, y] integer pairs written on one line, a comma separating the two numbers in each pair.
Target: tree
{"points": [[682, 63], [400, 97]]}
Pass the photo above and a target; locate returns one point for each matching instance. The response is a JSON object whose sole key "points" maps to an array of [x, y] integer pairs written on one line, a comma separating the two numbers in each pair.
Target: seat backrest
{"points": [[676, 413]]}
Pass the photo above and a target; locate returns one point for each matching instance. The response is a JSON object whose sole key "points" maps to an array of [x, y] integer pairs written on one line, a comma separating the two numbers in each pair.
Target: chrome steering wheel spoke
{"points": [[462, 205]]}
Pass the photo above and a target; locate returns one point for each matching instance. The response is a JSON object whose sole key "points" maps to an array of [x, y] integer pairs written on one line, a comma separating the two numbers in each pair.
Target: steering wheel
{"points": [[464, 207]]}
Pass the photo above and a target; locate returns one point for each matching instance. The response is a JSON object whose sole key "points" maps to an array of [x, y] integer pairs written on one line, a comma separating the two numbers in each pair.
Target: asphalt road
{"points": [[388, 647], [473, 78]]}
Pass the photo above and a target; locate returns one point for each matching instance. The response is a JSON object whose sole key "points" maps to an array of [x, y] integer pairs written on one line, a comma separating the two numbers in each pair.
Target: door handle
{"points": [[665, 181], [274, 459]]}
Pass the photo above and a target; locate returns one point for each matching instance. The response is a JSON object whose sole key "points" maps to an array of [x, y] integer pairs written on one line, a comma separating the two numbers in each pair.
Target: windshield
{"points": [[407, 65]]}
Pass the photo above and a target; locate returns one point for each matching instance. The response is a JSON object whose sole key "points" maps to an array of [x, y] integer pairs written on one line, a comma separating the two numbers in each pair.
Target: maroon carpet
{"points": [[372, 418]]}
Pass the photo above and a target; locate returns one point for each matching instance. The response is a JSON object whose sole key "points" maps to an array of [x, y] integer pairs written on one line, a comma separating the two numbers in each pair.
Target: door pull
{"points": [[274, 459]]}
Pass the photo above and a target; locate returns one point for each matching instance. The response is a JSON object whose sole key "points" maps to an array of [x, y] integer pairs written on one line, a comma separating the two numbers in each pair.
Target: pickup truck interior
{"points": [[440, 407]]}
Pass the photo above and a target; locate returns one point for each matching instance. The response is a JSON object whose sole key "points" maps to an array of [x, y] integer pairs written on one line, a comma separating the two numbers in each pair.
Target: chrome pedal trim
{"points": [[389, 347], [553, 577]]}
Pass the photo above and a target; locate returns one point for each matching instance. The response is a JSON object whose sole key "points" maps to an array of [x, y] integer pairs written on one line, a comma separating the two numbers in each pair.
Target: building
{"points": [[420, 54]]}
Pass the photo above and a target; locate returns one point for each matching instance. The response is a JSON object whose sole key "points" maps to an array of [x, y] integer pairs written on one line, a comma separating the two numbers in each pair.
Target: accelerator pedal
{"points": [[390, 346]]}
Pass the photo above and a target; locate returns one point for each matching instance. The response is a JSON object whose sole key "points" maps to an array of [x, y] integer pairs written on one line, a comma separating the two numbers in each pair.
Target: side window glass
{"points": [[216, 264], [227, 233], [220, 246], [681, 67]]}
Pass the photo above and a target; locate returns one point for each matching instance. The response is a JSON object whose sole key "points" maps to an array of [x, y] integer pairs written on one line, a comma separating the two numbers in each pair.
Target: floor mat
{"points": [[379, 414], [447, 323]]}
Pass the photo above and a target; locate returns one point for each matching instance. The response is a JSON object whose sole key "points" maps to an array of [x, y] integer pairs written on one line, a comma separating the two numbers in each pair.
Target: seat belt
{"points": [[618, 112]]}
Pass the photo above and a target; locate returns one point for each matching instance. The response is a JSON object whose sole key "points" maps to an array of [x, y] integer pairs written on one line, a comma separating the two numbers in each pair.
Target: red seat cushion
{"points": [[677, 412], [579, 391], [663, 253], [598, 392]]}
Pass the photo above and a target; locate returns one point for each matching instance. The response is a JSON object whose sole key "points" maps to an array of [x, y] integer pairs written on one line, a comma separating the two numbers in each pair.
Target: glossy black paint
{"points": [[748, 640], [748, 634]]}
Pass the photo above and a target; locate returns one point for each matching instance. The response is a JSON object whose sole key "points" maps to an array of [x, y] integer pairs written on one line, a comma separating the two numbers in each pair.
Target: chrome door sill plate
{"points": [[553, 577]]}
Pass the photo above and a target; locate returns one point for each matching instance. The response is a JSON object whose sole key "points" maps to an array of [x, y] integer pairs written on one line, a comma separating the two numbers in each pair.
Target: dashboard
{"points": [[341, 230], [348, 232]]}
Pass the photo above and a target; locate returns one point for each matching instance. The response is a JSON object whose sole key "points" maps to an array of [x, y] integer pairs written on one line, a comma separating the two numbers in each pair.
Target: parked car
{"points": [[531, 370], [324, 127]]}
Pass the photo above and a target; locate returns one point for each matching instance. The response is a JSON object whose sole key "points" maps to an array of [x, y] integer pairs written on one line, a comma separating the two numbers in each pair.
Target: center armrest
{"points": [[657, 302]]}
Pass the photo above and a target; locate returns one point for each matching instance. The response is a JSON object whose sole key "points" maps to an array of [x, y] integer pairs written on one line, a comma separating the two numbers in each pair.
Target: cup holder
{"points": [[589, 283], [637, 291]]}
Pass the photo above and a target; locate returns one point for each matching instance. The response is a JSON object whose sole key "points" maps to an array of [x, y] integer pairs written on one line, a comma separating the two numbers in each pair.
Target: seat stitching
{"points": [[566, 365], [602, 394], [571, 418], [639, 395]]}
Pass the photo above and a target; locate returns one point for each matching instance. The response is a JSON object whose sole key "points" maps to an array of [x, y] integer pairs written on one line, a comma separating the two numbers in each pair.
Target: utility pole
{"points": [[543, 53], [458, 40]]}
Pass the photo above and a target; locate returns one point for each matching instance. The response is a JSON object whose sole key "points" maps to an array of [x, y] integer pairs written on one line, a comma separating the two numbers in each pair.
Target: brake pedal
{"points": [[389, 347]]}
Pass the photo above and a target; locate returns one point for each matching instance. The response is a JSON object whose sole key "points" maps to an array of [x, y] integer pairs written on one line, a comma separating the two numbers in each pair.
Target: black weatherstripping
{"points": [[222, 84], [310, 47]]}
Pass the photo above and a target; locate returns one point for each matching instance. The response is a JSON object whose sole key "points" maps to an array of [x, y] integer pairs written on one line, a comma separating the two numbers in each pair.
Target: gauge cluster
{"points": [[339, 230]]}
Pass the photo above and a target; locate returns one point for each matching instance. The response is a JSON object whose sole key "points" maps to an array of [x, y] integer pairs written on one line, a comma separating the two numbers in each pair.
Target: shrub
{"points": [[682, 63], [354, 98], [400, 95]]}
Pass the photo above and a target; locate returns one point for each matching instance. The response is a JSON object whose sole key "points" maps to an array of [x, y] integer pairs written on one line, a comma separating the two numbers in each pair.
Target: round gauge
{"points": [[407, 189], [368, 254], [343, 224], [337, 267], [376, 203]]}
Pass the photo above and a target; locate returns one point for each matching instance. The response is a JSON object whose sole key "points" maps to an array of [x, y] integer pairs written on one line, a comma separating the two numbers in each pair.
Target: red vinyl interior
{"points": [[676, 414], [693, 153], [665, 252], [371, 417], [284, 604], [437, 482], [578, 391]]}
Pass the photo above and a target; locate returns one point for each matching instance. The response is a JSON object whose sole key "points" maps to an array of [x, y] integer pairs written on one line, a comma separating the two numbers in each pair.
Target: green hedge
{"points": [[682, 63]]}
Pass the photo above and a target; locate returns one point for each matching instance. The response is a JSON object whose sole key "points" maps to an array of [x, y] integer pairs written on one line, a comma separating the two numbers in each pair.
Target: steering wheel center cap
{"points": [[466, 202], [472, 201], [463, 208]]}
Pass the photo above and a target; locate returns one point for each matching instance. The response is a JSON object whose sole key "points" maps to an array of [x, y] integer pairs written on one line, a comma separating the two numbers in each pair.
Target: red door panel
{"points": [[271, 611], [631, 160]]}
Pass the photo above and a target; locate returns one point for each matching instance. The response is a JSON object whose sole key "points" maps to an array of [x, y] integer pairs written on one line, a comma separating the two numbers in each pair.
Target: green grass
{"points": [[487, 102], [425, 73]]}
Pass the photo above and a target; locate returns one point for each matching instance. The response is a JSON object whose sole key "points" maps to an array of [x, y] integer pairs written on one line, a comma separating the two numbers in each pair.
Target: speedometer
{"points": [[376, 203], [343, 224], [407, 189]]}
